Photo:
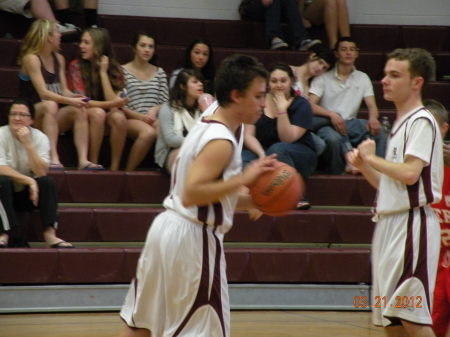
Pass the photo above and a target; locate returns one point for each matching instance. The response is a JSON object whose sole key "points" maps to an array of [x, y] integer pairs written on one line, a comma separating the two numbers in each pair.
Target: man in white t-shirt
{"points": [[336, 98], [405, 246], [24, 184]]}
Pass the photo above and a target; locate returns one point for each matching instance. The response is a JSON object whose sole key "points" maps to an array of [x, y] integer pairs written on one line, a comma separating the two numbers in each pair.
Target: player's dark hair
{"points": [[236, 73]]}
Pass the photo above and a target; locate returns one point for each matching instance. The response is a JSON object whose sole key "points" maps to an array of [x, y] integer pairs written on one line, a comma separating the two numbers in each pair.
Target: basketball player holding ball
{"points": [[180, 287]]}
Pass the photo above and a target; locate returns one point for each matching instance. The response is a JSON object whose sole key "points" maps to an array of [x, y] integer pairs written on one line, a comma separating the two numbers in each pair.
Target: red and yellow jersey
{"points": [[442, 210]]}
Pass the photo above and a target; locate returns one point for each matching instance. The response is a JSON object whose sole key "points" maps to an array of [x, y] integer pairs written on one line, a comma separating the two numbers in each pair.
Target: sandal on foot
{"points": [[61, 244], [56, 167], [3, 244], [93, 167]]}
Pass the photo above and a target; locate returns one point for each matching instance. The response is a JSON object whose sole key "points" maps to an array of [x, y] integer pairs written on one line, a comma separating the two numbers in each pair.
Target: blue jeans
{"points": [[298, 155], [332, 160], [273, 14]]}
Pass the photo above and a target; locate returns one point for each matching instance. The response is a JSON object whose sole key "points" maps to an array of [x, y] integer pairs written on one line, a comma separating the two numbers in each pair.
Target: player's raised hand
{"points": [[367, 148], [353, 158], [257, 167]]}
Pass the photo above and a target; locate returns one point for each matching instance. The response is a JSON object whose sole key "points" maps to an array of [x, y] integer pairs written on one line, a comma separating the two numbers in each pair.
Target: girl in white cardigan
{"points": [[178, 116]]}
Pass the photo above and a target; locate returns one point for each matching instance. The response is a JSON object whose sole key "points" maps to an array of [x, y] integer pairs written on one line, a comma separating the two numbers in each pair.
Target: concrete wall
{"points": [[406, 12]]}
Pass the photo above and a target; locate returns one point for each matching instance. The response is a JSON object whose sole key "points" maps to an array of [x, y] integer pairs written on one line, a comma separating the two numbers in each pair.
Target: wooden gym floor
{"points": [[243, 324]]}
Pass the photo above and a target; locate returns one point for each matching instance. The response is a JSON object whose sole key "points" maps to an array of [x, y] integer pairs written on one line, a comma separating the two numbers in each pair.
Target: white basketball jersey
{"points": [[221, 213], [416, 134]]}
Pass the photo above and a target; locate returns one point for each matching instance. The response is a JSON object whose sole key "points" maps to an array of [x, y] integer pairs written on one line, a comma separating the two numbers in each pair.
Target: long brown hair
{"points": [[90, 70]]}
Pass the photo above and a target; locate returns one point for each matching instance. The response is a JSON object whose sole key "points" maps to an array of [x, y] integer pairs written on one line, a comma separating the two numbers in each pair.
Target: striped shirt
{"points": [[145, 94], [415, 134]]}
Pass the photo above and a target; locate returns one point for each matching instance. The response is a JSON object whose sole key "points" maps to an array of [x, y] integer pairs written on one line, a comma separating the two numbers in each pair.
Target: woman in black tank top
{"points": [[42, 79]]}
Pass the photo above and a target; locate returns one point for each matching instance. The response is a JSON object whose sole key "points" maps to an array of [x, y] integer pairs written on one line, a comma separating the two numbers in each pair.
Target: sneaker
{"points": [[67, 29], [278, 43], [308, 43], [303, 205]]}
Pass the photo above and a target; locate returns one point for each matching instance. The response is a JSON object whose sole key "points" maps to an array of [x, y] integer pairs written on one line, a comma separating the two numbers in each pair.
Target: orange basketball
{"points": [[278, 191]]}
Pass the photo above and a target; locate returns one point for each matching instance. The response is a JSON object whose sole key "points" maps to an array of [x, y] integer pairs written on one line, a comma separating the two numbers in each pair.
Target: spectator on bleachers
{"points": [[284, 128], [331, 13], [43, 82], [178, 116], [39, 9], [198, 55], [64, 14], [98, 75], [441, 301], [146, 88], [272, 12], [24, 183], [319, 61], [336, 98]]}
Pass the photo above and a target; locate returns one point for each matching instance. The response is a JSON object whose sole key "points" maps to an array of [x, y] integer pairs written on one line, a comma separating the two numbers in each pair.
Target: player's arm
{"points": [[204, 183], [407, 172]]}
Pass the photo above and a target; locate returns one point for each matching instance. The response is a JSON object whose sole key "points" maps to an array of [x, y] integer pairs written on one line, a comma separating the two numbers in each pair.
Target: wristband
{"points": [[281, 113]]}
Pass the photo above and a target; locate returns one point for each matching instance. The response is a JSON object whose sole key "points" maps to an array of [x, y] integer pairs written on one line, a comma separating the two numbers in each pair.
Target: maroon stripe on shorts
{"points": [[218, 214], [202, 213], [202, 298], [408, 253], [421, 270]]}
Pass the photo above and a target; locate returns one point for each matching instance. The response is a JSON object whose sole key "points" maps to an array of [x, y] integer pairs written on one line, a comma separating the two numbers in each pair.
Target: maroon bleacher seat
{"points": [[150, 187], [91, 265], [380, 38], [95, 186], [32, 266], [122, 224], [431, 38]]}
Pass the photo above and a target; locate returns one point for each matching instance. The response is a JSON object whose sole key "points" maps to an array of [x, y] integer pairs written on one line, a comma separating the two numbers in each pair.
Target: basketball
{"points": [[278, 191]]}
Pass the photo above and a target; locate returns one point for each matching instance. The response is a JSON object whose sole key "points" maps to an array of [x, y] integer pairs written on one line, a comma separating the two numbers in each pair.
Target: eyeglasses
{"points": [[19, 114]]}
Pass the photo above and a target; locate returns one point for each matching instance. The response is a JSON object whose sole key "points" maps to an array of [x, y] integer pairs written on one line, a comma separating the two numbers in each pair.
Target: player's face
{"points": [[19, 116], [347, 53], [397, 82], [280, 81], [86, 46], [199, 55], [145, 48], [194, 88], [253, 101]]}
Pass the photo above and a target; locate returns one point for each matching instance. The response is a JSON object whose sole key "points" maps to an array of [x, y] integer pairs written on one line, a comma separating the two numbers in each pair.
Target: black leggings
{"points": [[20, 201]]}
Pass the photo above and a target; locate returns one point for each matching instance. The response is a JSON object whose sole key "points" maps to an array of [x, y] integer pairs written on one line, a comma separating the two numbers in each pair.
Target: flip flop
{"points": [[3, 244], [60, 244], [56, 167], [93, 167]]}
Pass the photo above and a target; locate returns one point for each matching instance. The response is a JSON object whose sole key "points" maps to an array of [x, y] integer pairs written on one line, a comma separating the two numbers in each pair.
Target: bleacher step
{"points": [[244, 265], [109, 297]]}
